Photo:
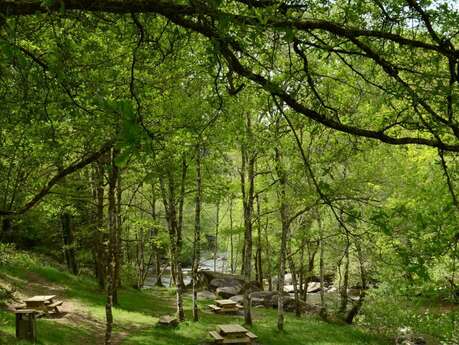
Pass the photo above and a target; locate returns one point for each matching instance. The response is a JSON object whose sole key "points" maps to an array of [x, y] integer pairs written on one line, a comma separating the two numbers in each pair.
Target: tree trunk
{"points": [[118, 248], [248, 195], [99, 237], [323, 307], [363, 277], [197, 233], [345, 284], [112, 226], [284, 214], [69, 250], [217, 224], [179, 293], [291, 264], [7, 230], [258, 253], [232, 262], [268, 255]]}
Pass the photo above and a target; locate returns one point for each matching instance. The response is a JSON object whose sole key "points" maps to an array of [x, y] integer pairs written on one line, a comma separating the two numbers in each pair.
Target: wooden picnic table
{"points": [[225, 303], [232, 334], [44, 303], [225, 306]]}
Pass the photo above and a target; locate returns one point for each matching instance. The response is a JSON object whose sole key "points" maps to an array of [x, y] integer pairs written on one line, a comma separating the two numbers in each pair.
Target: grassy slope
{"points": [[137, 314]]}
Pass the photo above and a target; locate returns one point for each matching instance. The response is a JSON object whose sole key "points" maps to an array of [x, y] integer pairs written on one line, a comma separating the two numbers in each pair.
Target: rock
{"points": [[407, 337], [332, 289], [289, 288], [258, 302], [237, 298], [353, 292], [225, 282], [262, 298], [228, 291], [313, 287], [202, 295]]}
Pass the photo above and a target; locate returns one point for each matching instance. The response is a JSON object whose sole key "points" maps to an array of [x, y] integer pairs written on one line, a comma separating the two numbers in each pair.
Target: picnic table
{"points": [[225, 306], [45, 304], [232, 334]]}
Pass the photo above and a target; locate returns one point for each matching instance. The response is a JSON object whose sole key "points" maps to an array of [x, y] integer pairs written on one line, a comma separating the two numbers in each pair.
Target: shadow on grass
{"points": [[48, 332]]}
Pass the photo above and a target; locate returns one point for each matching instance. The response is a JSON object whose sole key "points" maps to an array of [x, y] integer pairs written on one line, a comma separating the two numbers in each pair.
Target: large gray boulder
{"points": [[237, 298], [228, 291], [225, 282], [203, 295]]}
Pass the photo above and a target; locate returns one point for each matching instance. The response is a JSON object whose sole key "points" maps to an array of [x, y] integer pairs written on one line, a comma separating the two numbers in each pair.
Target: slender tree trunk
{"points": [[7, 230], [363, 278], [248, 196], [157, 248], [284, 214], [217, 224], [112, 225], [258, 255], [69, 250], [118, 249], [248, 170], [345, 283], [197, 233], [323, 307], [291, 264], [268, 256], [232, 262], [179, 293], [99, 237]]}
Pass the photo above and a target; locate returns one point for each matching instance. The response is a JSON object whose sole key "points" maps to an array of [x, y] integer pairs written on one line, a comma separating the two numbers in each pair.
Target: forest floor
{"points": [[82, 317]]}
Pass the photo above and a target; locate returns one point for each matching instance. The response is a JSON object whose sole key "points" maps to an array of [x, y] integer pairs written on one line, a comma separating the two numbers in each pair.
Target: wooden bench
{"points": [[217, 337], [54, 306], [167, 320], [240, 306], [20, 306], [251, 335], [214, 308]]}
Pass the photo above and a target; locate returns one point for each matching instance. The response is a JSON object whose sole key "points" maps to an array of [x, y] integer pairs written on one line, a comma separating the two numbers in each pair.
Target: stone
{"points": [[203, 295], [289, 288], [237, 298], [313, 287], [407, 337], [228, 291]]}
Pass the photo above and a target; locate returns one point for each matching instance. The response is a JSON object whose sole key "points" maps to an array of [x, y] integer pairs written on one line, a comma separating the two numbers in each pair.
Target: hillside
{"points": [[82, 320]]}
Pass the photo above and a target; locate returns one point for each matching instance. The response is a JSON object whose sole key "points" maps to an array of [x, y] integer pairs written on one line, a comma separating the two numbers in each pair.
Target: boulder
{"points": [[332, 289], [203, 295], [237, 298], [313, 287], [289, 288], [266, 298], [228, 291], [258, 302], [225, 282]]}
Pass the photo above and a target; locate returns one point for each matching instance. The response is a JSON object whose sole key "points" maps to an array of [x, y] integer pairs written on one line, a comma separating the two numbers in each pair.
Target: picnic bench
{"points": [[167, 320], [232, 334], [225, 306], [45, 304]]}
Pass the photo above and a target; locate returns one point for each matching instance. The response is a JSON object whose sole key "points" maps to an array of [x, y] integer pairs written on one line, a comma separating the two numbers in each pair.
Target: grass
{"points": [[138, 312]]}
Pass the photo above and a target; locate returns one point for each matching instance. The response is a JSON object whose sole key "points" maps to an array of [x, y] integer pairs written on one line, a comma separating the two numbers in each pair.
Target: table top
{"points": [[231, 329], [40, 298], [225, 302]]}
